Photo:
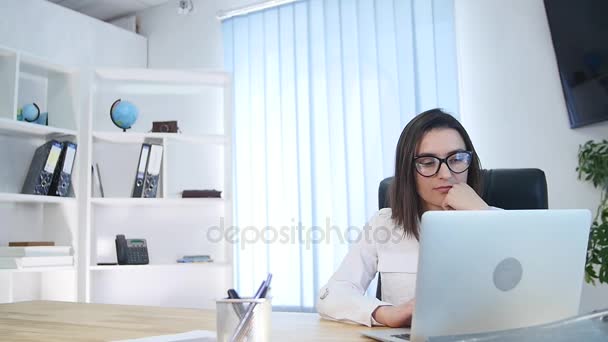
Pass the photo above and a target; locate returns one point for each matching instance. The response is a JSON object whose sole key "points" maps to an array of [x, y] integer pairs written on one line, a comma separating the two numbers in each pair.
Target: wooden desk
{"points": [[63, 321]]}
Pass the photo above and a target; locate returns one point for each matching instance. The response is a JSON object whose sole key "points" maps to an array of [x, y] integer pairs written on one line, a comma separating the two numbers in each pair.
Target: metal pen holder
{"points": [[245, 319]]}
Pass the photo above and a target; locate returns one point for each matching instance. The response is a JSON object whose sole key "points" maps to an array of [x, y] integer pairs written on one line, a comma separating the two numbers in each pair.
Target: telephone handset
{"points": [[131, 251]]}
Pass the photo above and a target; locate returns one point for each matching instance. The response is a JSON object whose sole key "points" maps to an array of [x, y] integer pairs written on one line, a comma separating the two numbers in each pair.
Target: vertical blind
{"points": [[322, 90]]}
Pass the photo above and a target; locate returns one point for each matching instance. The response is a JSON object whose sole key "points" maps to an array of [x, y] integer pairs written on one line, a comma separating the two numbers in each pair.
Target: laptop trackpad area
{"points": [[388, 335]]}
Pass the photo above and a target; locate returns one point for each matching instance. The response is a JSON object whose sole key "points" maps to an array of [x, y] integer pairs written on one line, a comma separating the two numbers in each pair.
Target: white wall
{"points": [[186, 41], [67, 37], [511, 102], [128, 23]]}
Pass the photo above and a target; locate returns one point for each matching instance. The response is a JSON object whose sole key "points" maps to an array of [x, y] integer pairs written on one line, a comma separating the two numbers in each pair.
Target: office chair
{"points": [[502, 188]]}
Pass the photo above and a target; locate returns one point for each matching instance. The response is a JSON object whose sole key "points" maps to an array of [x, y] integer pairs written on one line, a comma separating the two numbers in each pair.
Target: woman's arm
{"points": [[343, 298]]}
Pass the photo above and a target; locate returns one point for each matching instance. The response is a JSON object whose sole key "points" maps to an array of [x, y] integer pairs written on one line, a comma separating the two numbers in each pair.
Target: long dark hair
{"points": [[404, 200]]}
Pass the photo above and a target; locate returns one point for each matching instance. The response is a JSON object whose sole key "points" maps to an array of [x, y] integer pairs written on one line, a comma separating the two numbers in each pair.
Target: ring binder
{"points": [[62, 178], [42, 168], [138, 186], [153, 171]]}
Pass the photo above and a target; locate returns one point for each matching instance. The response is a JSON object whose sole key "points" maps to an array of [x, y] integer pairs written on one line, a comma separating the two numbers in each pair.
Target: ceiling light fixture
{"points": [[184, 7]]}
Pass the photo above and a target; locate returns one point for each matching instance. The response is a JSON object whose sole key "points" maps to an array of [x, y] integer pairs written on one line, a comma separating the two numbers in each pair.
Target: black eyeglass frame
{"points": [[444, 161]]}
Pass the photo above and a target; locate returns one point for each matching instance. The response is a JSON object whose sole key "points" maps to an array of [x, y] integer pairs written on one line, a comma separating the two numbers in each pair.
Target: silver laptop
{"points": [[493, 270]]}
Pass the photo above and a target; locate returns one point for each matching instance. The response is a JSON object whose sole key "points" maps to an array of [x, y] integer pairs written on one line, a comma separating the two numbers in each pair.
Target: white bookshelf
{"points": [[156, 202], [9, 74], [164, 77], [39, 269], [139, 138], [55, 89], [200, 266], [34, 199], [14, 128], [199, 157]]}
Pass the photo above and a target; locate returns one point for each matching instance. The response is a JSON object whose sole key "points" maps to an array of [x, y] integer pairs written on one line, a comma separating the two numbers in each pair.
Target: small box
{"points": [[165, 126]]}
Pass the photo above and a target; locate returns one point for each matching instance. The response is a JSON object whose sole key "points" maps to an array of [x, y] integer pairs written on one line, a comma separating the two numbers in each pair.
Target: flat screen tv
{"points": [[579, 29]]}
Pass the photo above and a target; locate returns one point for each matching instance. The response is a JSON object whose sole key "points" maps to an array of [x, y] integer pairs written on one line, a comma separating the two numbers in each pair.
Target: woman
{"points": [[436, 168]]}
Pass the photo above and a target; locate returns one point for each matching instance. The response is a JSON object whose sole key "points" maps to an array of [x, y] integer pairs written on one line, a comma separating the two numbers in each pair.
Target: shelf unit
{"points": [[14, 128], [199, 157], [55, 89], [153, 267], [114, 137], [155, 202], [34, 199], [40, 269]]}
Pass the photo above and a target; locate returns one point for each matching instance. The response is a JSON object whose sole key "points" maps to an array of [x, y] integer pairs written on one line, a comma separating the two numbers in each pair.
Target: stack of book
{"points": [[195, 258], [35, 256]]}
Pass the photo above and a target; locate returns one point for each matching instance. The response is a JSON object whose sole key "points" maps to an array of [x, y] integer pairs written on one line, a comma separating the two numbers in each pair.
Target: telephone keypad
{"points": [[137, 256]]}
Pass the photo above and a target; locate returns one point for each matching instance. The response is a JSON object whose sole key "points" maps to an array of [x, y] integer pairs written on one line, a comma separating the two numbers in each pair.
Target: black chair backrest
{"points": [[501, 188]]}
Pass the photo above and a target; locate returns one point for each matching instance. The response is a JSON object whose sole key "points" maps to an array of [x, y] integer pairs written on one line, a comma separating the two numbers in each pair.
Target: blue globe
{"points": [[30, 112], [124, 114]]}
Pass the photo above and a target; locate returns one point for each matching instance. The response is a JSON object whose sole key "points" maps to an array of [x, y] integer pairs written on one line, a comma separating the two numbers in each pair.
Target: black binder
{"points": [[138, 186], [153, 171], [62, 179], [43, 166]]}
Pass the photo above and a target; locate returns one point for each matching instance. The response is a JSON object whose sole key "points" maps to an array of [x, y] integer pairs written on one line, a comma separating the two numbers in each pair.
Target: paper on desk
{"points": [[190, 336]]}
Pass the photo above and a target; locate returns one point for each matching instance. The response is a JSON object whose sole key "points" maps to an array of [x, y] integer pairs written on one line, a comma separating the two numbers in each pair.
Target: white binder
{"points": [[153, 171]]}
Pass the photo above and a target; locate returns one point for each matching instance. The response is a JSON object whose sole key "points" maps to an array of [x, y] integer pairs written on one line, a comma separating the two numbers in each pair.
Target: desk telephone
{"points": [[131, 251]]}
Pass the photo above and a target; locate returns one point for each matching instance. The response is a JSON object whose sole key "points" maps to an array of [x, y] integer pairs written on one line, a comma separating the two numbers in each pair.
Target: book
{"points": [[101, 193], [39, 261], [195, 258], [198, 256], [191, 261], [30, 243], [35, 251], [96, 184], [201, 194]]}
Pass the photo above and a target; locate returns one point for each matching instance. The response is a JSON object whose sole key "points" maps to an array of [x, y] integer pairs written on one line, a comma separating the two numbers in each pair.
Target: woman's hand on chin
{"points": [[462, 197]]}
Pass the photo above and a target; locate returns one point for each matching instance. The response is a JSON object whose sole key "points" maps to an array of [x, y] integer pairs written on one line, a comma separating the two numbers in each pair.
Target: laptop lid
{"points": [[498, 269]]}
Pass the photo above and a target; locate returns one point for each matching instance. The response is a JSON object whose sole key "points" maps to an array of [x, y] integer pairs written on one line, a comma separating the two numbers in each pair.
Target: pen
{"points": [[267, 287], [240, 334], [239, 309]]}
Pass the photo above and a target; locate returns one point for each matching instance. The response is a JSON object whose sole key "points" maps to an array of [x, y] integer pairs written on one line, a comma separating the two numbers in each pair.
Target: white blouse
{"points": [[384, 248]]}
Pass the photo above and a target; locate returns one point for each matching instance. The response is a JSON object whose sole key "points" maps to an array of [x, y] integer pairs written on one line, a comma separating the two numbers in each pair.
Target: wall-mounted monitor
{"points": [[579, 30]]}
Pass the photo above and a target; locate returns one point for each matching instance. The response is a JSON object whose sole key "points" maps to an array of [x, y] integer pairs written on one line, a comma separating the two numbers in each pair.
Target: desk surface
{"points": [[63, 321]]}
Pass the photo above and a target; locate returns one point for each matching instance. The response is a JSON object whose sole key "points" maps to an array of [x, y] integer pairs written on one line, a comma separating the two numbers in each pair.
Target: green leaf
{"points": [[593, 167]]}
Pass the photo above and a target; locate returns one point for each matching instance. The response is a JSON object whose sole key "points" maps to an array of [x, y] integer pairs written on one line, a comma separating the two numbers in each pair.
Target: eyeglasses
{"points": [[457, 162]]}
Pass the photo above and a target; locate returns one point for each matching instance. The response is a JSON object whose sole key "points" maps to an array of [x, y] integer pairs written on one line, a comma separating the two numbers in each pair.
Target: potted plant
{"points": [[593, 167]]}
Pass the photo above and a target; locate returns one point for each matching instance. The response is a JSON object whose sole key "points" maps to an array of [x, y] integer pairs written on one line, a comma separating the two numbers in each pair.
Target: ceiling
{"points": [[109, 9]]}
